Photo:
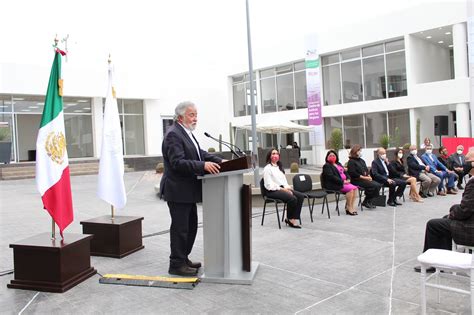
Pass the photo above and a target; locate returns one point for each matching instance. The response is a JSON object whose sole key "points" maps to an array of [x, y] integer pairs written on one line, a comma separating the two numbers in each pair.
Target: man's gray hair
{"points": [[181, 109]]}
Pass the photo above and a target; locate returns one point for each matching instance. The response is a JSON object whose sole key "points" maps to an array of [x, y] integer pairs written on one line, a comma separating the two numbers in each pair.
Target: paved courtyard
{"points": [[343, 265]]}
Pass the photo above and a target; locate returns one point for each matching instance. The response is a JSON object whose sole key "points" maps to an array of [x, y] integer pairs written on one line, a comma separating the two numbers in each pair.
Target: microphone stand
{"points": [[224, 143]]}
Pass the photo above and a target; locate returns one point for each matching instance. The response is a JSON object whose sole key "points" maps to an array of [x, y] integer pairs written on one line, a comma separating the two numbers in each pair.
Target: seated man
{"points": [[458, 225], [380, 174], [421, 172], [456, 161], [438, 169]]}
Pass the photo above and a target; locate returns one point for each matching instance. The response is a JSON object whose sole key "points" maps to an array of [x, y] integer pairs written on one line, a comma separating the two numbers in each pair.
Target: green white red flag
{"points": [[52, 164]]}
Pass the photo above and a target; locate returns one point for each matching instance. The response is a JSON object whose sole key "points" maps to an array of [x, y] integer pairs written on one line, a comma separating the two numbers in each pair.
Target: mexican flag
{"points": [[52, 165]]}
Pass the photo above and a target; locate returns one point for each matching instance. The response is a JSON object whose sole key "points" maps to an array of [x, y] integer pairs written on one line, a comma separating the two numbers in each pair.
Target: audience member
{"points": [[458, 225], [379, 171], [396, 169], [438, 169], [425, 143], [336, 178], [360, 177], [421, 172], [457, 161], [275, 182]]}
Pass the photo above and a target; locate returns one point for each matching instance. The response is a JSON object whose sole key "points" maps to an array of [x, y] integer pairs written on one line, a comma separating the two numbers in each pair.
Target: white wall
{"points": [[426, 115], [429, 62]]}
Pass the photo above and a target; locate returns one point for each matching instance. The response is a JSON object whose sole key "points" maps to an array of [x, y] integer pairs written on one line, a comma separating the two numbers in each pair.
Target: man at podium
{"points": [[184, 161]]}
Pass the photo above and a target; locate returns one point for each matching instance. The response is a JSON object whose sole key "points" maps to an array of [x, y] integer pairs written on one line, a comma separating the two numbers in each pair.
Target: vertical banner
{"points": [[313, 90], [470, 50]]}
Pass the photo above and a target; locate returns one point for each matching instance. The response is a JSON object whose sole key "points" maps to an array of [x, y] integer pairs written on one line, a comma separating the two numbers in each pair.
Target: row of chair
{"points": [[304, 184]]}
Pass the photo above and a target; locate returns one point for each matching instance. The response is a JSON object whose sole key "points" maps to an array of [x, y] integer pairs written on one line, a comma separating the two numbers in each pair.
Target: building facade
{"points": [[382, 77]]}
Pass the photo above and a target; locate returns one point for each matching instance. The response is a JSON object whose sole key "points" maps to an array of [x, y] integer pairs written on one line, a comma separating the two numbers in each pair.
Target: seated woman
{"points": [[396, 169], [335, 178], [275, 182], [360, 177]]}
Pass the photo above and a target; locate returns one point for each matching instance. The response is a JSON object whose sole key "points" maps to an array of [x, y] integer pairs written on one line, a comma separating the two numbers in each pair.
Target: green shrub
{"points": [[384, 141], [406, 146], [160, 168], [335, 141], [211, 150], [5, 134], [294, 167]]}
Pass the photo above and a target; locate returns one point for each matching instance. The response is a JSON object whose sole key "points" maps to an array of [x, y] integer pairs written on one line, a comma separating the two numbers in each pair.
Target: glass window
{"points": [[353, 130], [331, 123], [372, 50], [326, 60], [374, 78], [285, 92], [351, 81], [399, 127], [134, 138], [375, 126], [350, 54], [395, 45], [238, 79], [332, 85], [267, 87], [303, 136], [75, 105], [247, 76], [284, 69], [267, 73], [79, 135], [300, 89], [299, 66], [239, 99], [6, 129], [5, 103], [167, 123], [396, 74], [31, 104], [119, 104], [133, 106]]}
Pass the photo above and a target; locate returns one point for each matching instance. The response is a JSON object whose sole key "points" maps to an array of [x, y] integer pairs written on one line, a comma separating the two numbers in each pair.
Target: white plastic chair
{"points": [[449, 261]]}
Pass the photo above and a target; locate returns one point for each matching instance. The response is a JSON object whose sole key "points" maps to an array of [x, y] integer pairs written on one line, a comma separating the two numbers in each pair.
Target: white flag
{"points": [[111, 187]]}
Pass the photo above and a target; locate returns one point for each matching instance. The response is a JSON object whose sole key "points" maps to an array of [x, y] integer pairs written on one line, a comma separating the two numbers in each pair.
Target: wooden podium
{"points": [[43, 264], [115, 237], [227, 225]]}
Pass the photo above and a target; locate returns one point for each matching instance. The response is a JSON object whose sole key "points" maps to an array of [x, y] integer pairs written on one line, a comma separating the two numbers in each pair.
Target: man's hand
{"points": [[288, 190], [427, 168], [211, 167], [390, 181]]}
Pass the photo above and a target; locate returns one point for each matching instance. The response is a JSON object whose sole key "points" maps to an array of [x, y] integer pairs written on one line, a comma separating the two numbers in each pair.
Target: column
{"points": [[461, 71]]}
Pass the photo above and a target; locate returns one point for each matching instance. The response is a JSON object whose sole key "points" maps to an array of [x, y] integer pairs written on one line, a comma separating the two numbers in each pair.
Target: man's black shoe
{"points": [[391, 204], [428, 270], [460, 187], [368, 205], [430, 195], [195, 265], [398, 203], [423, 195], [183, 271]]}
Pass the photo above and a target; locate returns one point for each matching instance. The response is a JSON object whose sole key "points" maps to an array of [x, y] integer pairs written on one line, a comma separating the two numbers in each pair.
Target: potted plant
{"points": [[5, 145], [384, 141]]}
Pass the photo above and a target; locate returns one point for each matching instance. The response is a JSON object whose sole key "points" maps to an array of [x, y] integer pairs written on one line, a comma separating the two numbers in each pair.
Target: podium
{"points": [[227, 225]]}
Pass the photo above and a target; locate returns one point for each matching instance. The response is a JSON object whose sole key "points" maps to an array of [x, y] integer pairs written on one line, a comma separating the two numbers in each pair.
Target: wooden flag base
{"points": [[114, 237], [43, 264]]}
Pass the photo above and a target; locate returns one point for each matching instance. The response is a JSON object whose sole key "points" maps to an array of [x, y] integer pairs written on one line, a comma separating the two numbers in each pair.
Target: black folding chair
{"points": [[267, 199], [304, 184], [337, 195]]}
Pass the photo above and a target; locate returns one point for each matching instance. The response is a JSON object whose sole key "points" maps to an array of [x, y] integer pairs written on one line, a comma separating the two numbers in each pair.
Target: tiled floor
{"points": [[343, 265]]}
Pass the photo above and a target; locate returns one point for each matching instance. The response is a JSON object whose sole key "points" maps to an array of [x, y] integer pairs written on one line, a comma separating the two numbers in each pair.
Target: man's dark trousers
{"points": [[438, 234], [184, 221]]}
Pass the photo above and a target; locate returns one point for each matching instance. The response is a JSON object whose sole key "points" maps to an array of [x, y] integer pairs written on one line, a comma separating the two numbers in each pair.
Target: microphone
{"points": [[226, 144]]}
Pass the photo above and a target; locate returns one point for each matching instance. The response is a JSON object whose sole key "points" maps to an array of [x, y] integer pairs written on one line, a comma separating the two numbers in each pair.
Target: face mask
{"points": [[414, 152], [400, 155], [275, 158], [383, 156], [332, 159], [429, 151], [459, 152]]}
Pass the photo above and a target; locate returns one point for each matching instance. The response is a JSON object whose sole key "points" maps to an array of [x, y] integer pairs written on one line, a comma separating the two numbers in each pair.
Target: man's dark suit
{"points": [[379, 173], [457, 160], [182, 190], [458, 226]]}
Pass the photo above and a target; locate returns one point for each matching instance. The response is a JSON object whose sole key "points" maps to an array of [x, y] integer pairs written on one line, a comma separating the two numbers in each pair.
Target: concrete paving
{"points": [[343, 265]]}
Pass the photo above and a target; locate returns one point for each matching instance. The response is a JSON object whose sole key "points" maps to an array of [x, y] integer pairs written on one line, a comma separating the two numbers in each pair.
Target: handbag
{"points": [[379, 201]]}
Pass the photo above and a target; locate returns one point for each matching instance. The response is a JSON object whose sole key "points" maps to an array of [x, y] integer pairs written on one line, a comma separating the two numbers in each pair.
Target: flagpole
{"points": [[53, 230], [112, 211]]}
